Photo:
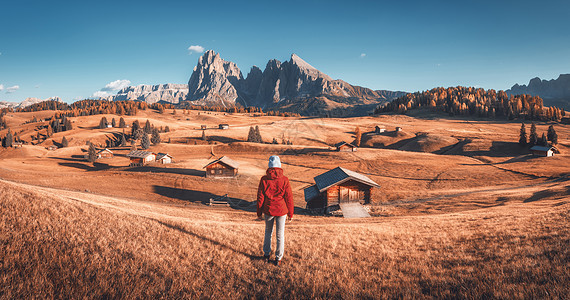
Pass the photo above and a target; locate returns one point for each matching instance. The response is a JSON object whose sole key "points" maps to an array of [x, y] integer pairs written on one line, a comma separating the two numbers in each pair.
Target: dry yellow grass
{"points": [[68, 244]]}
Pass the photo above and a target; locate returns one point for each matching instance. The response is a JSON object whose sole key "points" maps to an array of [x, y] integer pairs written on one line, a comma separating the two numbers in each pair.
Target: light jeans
{"points": [[280, 235]]}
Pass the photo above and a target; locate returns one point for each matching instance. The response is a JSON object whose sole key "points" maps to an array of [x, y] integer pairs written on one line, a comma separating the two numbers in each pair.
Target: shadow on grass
{"points": [[86, 166], [209, 240], [204, 198], [179, 171]]}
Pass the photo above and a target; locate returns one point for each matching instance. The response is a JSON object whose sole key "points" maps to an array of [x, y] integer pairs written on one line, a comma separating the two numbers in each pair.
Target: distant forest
{"points": [[130, 108], [469, 101]]}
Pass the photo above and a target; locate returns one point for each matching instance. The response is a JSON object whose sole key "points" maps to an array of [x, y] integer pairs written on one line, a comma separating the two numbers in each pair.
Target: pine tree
{"points": [[103, 123], [274, 141], [166, 129], [133, 146], [138, 134], [145, 141], [113, 123], [134, 127], [552, 136], [533, 138], [49, 131], [251, 135], [155, 138], [358, 136], [203, 135], [64, 142], [147, 127], [122, 122], [91, 153], [67, 125], [258, 135], [522, 136], [9, 139]]}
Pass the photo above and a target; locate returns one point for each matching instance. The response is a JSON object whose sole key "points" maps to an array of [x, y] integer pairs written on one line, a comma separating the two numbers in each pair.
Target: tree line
{"points": [[472, 101], [533, 138]]}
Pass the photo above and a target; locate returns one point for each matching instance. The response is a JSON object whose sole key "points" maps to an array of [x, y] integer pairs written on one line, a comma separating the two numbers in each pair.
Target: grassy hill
{"points": [[462, 211], [69, 244]]}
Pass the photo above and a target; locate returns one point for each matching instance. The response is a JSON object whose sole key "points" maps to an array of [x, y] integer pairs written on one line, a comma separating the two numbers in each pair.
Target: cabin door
{"points": [[344, 194], [353, 195]]}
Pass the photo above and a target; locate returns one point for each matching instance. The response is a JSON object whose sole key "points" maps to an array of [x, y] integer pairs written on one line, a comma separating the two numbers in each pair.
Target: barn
{"points": [[379, 130], [345, 147], [545, 151], [222, 167], [164, 158], [337, 186], [224, 126], [140, 157], [105, 153]]}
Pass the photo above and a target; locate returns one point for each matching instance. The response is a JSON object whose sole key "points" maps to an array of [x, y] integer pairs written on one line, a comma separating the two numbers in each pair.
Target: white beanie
{"points": [[274, 161]]}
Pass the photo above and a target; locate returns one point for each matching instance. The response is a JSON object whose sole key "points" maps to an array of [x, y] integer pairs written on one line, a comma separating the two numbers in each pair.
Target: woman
{"points": [[275, 201]]}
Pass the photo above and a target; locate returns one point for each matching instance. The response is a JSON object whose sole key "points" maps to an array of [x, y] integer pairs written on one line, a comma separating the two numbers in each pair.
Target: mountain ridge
{"points": [[287, 86], [554, 92]]}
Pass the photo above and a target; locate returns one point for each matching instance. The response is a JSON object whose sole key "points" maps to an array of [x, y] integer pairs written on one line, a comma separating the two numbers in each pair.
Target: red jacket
{"points": [[274, 196]]}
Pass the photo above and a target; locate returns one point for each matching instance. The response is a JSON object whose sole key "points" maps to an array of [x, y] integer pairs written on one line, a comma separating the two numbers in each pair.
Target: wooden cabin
{"points": [[222, 167], [105, 153], [52, 148], [140, 157], [224, 126], [339, 185], [17, 144], [398, 128], [545, 151], [379, 130], [345, 147], [164, 158]]}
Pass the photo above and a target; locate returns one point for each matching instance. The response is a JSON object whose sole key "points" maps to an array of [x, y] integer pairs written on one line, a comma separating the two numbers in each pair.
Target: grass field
{"points": [[70, 244], [463, 212]]}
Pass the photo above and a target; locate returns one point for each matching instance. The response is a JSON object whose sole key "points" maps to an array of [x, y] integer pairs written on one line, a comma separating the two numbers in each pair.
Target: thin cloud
{"points": [[12, 89], [362, 55], [100, 94], [116, 85], [195, 49], [1, 87]]}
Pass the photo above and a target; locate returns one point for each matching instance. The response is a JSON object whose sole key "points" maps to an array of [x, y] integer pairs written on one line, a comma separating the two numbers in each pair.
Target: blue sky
{"points": [[73, 49]]}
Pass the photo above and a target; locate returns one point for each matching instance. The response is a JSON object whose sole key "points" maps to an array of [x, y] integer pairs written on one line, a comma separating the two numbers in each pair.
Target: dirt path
{"points": [[532, 188]]}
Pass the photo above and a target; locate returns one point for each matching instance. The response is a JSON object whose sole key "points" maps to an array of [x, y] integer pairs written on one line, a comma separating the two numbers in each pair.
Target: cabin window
{"points": [[212, 171]]}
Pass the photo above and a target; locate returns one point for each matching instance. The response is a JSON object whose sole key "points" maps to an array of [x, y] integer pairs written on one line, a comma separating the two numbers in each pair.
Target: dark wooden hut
{"points": [[222, 167], [337, 186], [345, 147], [140, 157], [105, 153]]}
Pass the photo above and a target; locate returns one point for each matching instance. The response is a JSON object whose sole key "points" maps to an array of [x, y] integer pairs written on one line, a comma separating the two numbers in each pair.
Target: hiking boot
{"points": [[266, 258], [278, 262]]}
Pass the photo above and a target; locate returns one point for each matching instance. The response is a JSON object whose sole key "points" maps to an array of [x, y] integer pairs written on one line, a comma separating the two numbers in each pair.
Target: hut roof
{"points": [[139, 154], [344, 143], [226, 161], [340, 175], [311, 192], [104, 150], [544, 148], [160, 156]]}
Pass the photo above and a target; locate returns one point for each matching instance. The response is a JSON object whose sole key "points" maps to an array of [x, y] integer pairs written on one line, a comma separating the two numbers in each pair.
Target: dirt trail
{"points": [[556, 183], [147, 209]]}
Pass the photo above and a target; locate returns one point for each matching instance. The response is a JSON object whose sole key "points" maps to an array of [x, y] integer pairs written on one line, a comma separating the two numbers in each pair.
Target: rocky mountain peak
{"points": [[215, 81]]}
